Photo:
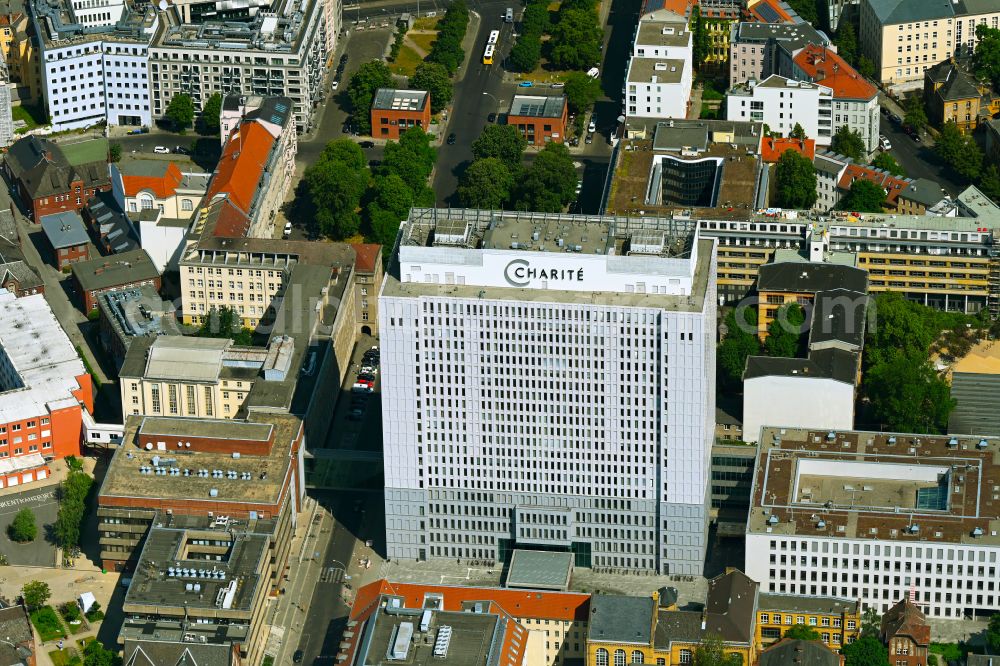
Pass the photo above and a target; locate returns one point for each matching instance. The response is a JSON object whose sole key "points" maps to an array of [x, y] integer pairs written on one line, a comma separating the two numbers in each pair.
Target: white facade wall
{"points": [[96, 81], [554, 420], [649, 96], [6, 119], [781, 103], [95, 13], [861, 116], [653, 99], [796, 402], [949, 580]]}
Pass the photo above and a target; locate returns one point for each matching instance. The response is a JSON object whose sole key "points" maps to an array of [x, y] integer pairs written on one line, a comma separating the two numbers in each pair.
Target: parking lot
{"points": [[42, 502], [357, 423]]}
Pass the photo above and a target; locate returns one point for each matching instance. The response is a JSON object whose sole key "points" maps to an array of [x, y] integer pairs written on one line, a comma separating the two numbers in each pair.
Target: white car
{"points": [[884, 142], [288, 230], [161, 150], [336, 84], [592, 127]]}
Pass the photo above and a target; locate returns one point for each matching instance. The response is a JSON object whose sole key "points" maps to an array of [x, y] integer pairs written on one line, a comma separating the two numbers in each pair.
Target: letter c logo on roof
{"points": [[516, 273]]}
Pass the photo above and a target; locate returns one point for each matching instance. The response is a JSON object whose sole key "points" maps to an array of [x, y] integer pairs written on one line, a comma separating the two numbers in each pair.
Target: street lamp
{"points": [[498, 101]]}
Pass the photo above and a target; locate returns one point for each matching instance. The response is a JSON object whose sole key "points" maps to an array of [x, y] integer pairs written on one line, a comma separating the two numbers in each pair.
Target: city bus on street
{"points": [[491, 45]]}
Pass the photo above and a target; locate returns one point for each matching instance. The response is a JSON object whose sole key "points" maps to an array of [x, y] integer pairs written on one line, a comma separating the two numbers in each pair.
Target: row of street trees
{"points": [[447, 48], [180, 113], [497, 179], [72, 495], [574, 36], [339, 196]]}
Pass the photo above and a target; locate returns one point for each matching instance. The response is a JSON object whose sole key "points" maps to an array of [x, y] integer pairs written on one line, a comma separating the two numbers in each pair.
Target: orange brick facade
{"points": [[75, 199], [68, 255], [540, 131], [390, 123]]}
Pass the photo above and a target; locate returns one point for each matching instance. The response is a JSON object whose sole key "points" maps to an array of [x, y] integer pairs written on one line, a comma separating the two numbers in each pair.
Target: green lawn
{"points": [[81, 152], [65, 657], [33, 116], [406, 62], [426, 23], [47, 623], [423, 39]]}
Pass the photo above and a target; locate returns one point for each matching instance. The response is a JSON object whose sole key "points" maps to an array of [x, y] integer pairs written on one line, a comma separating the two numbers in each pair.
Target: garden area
{"points": [[556, 39], [413, 46], [31, 116], [47, 623]]}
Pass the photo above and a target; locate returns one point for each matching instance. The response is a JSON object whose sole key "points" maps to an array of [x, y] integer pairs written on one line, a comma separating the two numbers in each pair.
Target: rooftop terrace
{"points": [[863, 485]]}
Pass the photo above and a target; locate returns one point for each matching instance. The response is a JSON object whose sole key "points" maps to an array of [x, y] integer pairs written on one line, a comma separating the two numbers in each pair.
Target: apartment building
{"points": [[837, 621], [44, 390], [953, 94], [754, 47], [781, 103], [121, 271], [660, 71], [282, 52], [168, 187], [211, 503], [476, 282], [877, 517], [94, 61], [20, 54], [16, 276], [368, 273], [554, 623], [651, 630], [904, 39]]}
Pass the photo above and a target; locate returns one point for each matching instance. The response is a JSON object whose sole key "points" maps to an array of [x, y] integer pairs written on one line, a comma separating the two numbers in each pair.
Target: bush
{"points": [[71, 611], [47, 623], [72, 507], [23, 528], [447, 48]]}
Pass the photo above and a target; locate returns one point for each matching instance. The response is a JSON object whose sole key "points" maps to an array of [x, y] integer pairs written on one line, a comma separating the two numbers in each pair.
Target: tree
{"points": [[907, 395], [361, 91], [412, 159], [550, 183], [35, 593], [986, 58], [487, 183], [700, 42], [806, 9], [802, 632], [525, 54], [95, 654], [888, 163], [115, 152], [329, 194], [576, 40], [581, 92], [784, 333], [23, 529], [848, 142], [711, 652], [389, 204], [989, 183], [741, 341], [503, 142], [993, 633], [180, 111], [534, 19], [847, 42], [210, 114], [866, 67], [434, 78], [447, 47], [795, 181], [960, 151], [73, 493], [798, 132], [866, 651], [864, 197], [913, 113], [224, 322]]}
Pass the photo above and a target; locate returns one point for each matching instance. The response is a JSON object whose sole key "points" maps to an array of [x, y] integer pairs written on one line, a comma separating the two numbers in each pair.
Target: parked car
{"points": [[161, 150], [335, 85], [181, 150], [451, 139], [139, 130], [896, 119], [884, 143], [287, 231], [348, 128], [558, 85], [297, 657], [361, 388], [592, 127], [589, 139], [575, 141], [525, 84], [355, 415], [367, 144], [492, 118], [579, 186], [367, 376]]}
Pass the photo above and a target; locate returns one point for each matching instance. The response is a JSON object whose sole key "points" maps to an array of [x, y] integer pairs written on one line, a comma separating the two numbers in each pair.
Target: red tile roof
{"points": [[518, 603], [906, 619], [771, 150], [162, 187], [366, 256], [240, 169], [888, 182], [776, 5], [828, 69]]}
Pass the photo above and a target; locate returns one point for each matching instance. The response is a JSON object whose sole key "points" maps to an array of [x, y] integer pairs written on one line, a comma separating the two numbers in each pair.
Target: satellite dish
{"points": [[163, 5]]}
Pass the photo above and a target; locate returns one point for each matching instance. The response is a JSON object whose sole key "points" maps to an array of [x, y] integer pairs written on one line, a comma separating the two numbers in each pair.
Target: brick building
{"points": [[19, 646], [16, 276], [104, 274], [395, 111], [67, 236], [44, 390], [906, 633], [46, 182], [539, 118]]}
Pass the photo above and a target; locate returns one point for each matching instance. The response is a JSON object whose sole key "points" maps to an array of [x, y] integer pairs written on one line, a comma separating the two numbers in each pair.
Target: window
{"points": [[602, 657], [799, 619], [619, 657], [851, 624], [155, 395], [187, 204], [765, 618], [637, 657], [685, 656]]}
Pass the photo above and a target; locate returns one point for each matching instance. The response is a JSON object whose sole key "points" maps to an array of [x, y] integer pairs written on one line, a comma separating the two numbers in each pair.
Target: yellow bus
{"points": [[491, 45]]}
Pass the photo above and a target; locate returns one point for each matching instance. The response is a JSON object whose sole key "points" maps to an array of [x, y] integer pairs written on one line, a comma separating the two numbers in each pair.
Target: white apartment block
{"points": [[878, 517], [903, 38], [280, 53], [660, 72], [94, 61], [551, 379], [781, 103]]}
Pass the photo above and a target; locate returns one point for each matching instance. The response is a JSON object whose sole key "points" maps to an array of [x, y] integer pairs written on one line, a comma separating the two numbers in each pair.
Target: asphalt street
{"points": [[918, 159]]}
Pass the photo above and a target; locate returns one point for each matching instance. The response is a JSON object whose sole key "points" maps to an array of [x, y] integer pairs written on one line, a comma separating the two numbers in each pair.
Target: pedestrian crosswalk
{"points": [[331, 575]]}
